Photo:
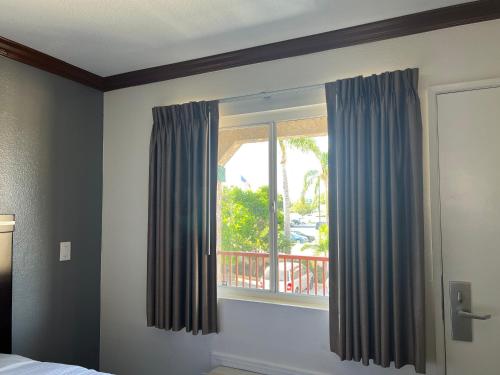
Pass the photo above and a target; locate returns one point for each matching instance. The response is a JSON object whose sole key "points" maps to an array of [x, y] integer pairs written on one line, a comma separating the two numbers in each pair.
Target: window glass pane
{"points": [[243, 237], [302, 183]]}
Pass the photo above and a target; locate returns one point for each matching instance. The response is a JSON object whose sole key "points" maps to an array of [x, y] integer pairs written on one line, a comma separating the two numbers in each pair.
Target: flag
{"points": [[245, 182]]}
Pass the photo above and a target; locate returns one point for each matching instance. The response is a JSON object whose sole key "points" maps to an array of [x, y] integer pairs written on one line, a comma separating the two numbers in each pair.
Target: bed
{"points": [[14, 364], [230, 371]]}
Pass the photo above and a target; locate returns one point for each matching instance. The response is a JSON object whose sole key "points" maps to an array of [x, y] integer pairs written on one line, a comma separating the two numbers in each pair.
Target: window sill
{"points": [[283, 299]]}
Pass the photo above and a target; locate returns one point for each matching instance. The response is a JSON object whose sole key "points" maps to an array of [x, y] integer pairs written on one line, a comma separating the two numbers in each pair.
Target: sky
{"points": [[251, 162]]}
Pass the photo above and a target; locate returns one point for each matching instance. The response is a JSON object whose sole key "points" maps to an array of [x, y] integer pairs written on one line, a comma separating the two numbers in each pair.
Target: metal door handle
{"points": [[469, 315], [462, 317]]}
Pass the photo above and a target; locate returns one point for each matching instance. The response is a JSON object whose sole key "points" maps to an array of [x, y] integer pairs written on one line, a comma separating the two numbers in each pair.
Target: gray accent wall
{"points": [[51, 178]]}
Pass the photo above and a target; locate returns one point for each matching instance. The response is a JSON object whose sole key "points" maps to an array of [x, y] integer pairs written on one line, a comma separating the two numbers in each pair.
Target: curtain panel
{"points": [[377, 301], [181, 281]]}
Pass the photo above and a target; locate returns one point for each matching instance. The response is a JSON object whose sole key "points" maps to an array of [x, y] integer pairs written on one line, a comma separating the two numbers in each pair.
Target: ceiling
{"points": [[108, 37]]}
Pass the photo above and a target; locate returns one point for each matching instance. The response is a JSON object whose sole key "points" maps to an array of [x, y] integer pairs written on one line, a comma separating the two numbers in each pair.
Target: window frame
{"points": [[271, 119]]}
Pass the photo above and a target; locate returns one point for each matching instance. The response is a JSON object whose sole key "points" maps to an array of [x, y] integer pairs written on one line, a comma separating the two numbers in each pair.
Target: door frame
{"points": [[435, 208]]}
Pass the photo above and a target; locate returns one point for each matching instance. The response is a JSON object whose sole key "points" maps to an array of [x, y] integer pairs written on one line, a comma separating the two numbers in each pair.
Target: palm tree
{"points": [[304, 144], [311, 179], [286, 192], [307, 144]]}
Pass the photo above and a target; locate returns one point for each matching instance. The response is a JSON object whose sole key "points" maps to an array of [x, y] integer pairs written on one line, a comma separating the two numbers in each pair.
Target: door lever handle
{"points": [[469, 315]]}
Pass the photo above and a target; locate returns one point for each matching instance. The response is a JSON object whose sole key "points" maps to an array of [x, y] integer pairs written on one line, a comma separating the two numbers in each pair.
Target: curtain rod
{"points": [[269, 93]]}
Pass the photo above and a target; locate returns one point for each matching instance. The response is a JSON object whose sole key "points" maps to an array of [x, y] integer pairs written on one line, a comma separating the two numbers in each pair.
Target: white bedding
{"points": [[17, 365]]}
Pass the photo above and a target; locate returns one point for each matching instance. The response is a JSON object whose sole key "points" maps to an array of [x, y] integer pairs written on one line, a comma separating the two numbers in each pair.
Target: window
{"points": [[272, 207]]}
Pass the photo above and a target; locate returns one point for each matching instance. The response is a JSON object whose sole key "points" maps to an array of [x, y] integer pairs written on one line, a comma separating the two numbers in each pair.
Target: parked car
{"points": [[294, 236], [296, 220], [299, 284], [314, 218], [308, 236], [310, 218]]}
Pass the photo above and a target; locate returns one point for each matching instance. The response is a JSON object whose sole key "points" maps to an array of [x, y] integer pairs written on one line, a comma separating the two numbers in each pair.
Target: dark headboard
{"points": [[6, 235]]}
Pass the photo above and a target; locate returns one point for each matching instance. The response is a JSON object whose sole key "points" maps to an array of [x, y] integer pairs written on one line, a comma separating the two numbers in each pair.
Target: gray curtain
{"points": [[376, 220], [181, 281]]}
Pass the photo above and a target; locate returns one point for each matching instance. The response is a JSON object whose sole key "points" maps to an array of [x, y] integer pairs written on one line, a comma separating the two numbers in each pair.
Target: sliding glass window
{"points": [[272, 224]]}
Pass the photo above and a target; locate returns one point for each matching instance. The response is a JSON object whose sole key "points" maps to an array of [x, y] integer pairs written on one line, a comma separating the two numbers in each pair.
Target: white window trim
{"points": [[246, 114], [278, 298]]}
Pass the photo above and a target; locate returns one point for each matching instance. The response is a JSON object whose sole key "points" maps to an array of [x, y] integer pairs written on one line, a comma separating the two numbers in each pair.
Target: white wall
{"points": [[294, 337]]}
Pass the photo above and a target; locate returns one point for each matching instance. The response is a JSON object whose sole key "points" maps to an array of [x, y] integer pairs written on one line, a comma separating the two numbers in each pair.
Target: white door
{"points": [[469, 170]]}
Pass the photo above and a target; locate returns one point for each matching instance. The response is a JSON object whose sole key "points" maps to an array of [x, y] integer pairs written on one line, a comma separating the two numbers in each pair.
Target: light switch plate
{"points": [[64, 251]]}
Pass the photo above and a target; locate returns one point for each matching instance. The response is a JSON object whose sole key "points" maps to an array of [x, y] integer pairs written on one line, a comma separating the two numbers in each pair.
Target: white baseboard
{"points": [[255, 365]]}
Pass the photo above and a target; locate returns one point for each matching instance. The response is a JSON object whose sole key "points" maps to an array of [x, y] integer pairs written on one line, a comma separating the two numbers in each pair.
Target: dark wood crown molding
{"points": [[456, 15], [390, 28], [30, 56]]}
